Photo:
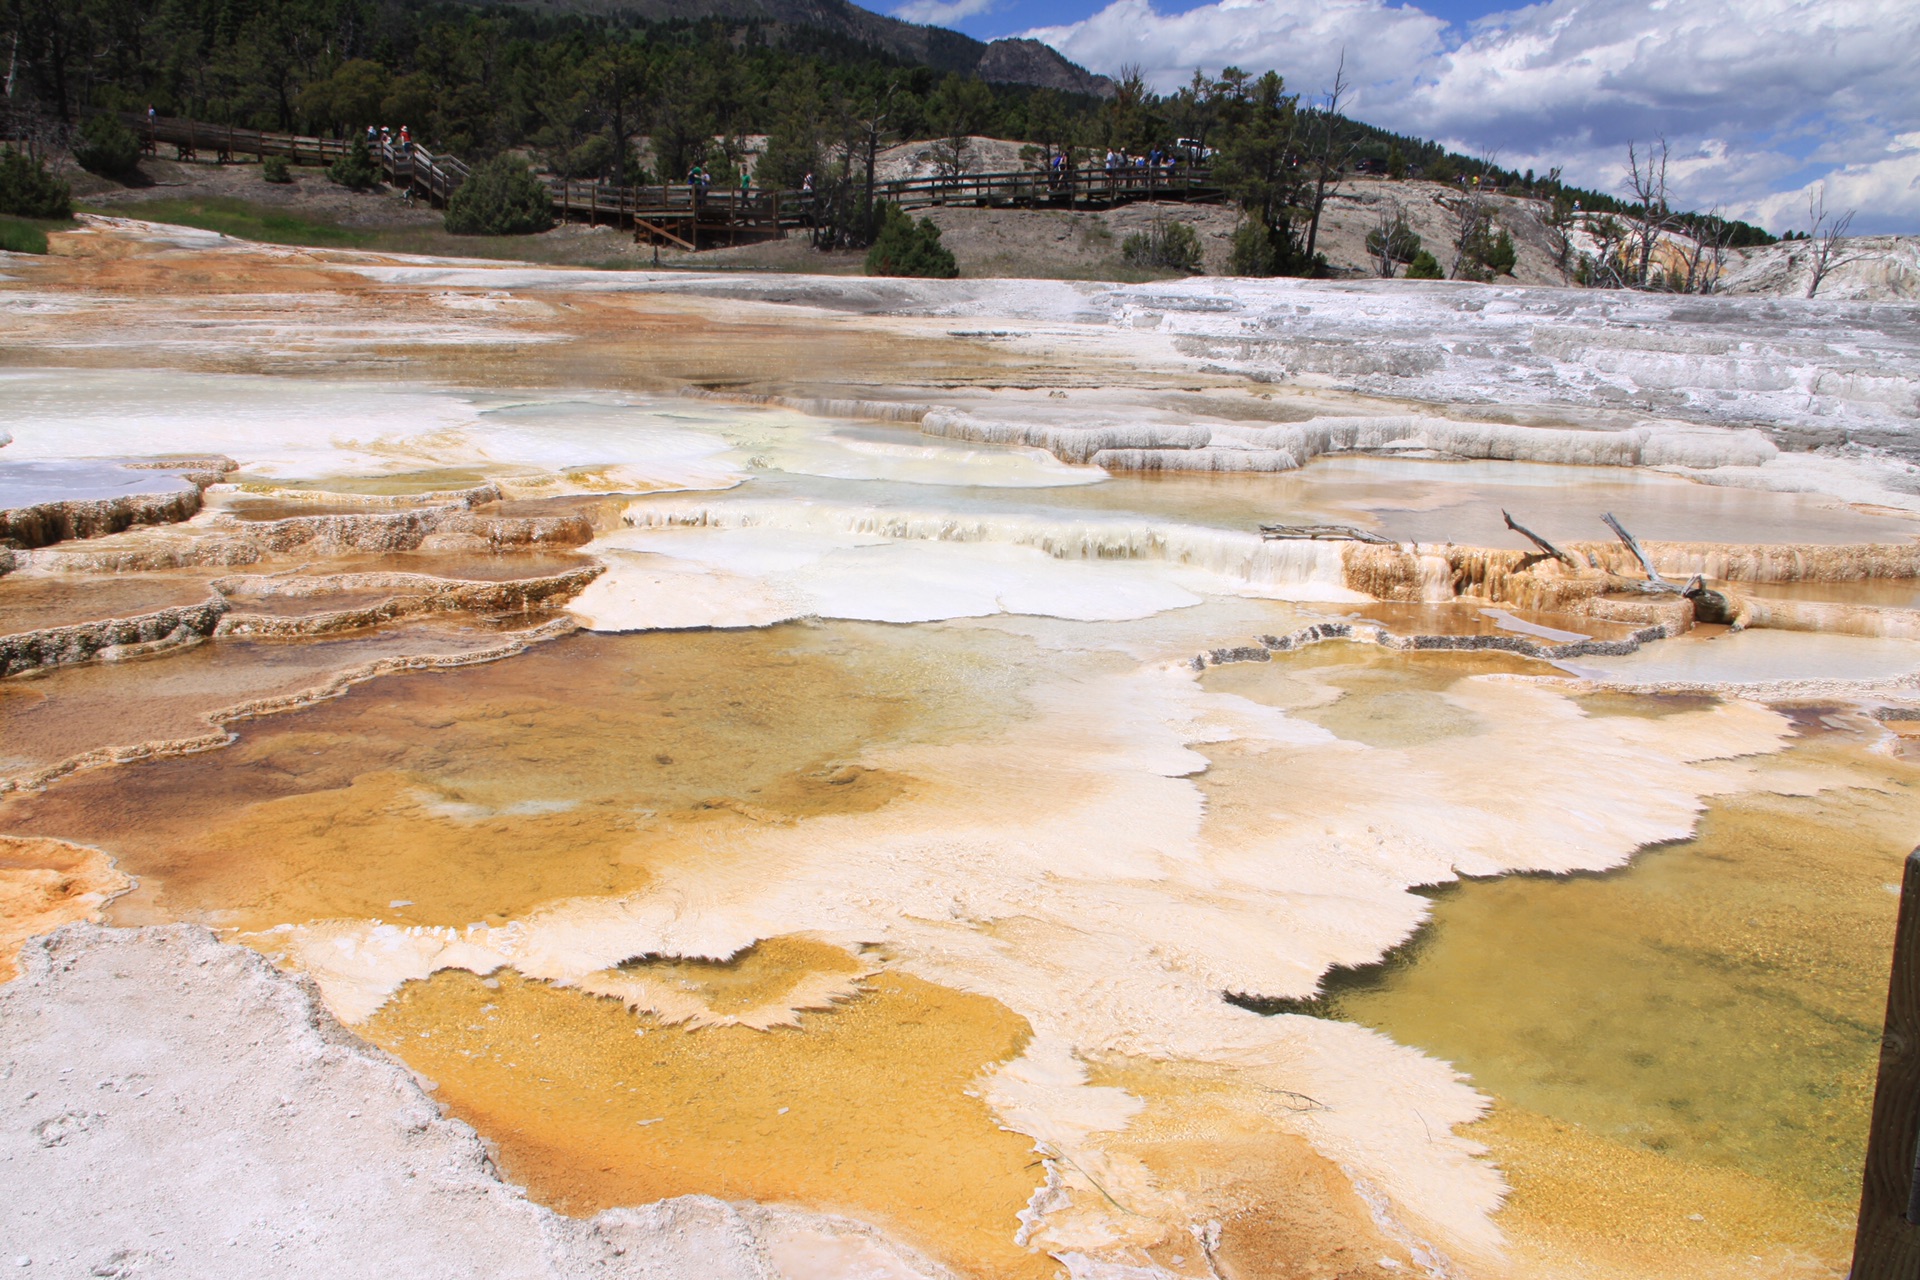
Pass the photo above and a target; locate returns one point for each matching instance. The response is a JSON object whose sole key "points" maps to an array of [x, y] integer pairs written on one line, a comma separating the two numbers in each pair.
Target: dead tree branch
{"points": [[1652, 218], [1540, 542], [1475, 224], [1329, 169], [1826, 237], [1653, 574]]}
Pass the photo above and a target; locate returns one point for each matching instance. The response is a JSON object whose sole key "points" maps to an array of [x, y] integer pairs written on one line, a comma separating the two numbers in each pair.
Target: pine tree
{"points": [[500, 198], [29, 190], [355, 170], [1424, 267], [906, 248]]}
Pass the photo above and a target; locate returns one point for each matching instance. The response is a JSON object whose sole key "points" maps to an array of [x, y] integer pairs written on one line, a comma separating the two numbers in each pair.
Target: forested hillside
{"points": [[824, 83]]}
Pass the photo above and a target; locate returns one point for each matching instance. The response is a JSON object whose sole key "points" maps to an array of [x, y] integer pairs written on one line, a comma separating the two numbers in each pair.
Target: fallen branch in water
{"points": [[1322, 533]]}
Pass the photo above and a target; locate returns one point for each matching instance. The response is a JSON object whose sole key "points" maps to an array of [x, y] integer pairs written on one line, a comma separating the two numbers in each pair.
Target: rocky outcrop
{"points": [[513, 643], [236, 542], [42, 523], [416, 595], [112, 638], [1386, 638], [424, 596], [1612, 588], [1017, 61], [1871, 269], [50, 522]]}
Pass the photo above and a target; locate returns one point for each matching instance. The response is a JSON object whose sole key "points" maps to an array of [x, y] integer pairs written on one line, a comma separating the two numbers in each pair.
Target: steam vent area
{"points": [[524, 772]]}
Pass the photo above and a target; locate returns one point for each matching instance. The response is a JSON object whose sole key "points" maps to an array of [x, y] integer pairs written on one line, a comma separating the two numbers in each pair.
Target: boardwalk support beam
{"points": [[1886, 1243]]}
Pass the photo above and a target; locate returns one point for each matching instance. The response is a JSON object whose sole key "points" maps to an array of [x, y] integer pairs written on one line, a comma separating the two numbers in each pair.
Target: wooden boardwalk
{"points": [[678, 213]]}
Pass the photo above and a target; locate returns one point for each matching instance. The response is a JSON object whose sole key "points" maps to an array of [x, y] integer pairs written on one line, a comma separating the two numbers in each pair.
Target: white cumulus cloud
{"points": [[1759, 98], [942, 13]]}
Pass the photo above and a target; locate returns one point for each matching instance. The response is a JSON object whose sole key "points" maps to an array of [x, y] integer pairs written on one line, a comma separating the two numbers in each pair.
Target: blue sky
{"points": [[1765, 104]]}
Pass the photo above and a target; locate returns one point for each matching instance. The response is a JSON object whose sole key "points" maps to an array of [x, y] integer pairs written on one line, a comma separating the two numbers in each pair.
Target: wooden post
{"points": [[1886, 1243]]}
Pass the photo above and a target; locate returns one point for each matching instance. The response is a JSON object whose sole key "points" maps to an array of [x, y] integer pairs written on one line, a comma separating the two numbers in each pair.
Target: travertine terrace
{"points": [[551, 773]]}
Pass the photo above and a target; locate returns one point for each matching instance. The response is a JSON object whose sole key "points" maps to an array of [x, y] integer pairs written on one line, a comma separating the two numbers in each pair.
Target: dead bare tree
{"points": [[1559, 222], [1825, 235], [873, 125], [1651, 219], [1702, 253], [1470, 238], [1606, 266], [1329, 168], [1391, 240]]}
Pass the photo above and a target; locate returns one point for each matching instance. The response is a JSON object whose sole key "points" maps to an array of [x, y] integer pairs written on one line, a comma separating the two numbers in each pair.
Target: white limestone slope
{"points": [[1805, 372], [1865, 269]]}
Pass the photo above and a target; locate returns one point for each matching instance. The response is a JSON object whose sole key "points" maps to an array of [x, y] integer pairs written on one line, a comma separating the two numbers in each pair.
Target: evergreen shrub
{"points": [[108, 148], [1254, 251], [29, 190], [1501, 255], [500, 198], [1424, 267], [1164, 244], [355, 170], [906, 248], [1398, 241]]}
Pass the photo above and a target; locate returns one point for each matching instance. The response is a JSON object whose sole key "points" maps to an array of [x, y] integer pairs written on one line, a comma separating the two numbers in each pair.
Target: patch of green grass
{"points": [[243, 220], [17, 235]]}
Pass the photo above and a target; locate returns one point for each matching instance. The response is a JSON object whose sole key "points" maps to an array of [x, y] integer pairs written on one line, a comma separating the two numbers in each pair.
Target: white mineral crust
{"points": [[174, 1106]]}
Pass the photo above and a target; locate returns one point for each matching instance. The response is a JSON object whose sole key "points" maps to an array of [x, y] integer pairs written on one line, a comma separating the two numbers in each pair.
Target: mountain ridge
{"points": [[1012, 60]]}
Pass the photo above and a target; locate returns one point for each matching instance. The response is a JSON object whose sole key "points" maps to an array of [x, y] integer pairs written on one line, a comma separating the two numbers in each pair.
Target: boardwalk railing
{"points": [[1038, 189], [693, 217]]}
